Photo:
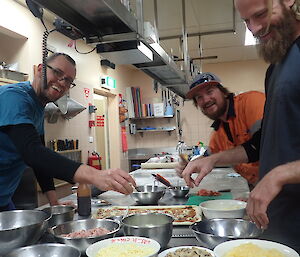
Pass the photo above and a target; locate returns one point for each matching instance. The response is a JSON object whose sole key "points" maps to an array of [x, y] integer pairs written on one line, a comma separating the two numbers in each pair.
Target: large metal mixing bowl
{"points": [[82, 243], [212, 232], [60, 214], [157, 226], [20, 228], [45, 250], [146, 195]]}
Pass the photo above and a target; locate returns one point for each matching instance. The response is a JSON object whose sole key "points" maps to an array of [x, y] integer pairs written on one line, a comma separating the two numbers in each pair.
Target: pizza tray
{"points": [[106, 212]]}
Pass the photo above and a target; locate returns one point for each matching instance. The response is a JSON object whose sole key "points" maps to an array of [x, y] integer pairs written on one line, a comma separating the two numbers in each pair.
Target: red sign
{"points": [[99, 121], [86, 92]]}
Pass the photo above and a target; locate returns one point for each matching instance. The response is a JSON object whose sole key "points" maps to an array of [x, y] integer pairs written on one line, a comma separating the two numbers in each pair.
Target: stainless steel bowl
{"points": [[212, 232], [45, 250], [179, 191], [146, 195], [82, 243], [59, 214], [20, 228], [157, 226]]}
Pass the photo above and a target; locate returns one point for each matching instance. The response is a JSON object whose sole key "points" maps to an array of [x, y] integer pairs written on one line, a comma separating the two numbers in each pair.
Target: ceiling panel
{"points": [[202, 16]]}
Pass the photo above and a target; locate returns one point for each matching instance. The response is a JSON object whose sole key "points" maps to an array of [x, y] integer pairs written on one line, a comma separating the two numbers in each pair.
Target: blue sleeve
{"points": [[16, 107]]}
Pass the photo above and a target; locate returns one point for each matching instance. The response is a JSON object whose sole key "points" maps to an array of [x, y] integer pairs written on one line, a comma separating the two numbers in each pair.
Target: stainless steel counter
{"points": [[218, 179]]}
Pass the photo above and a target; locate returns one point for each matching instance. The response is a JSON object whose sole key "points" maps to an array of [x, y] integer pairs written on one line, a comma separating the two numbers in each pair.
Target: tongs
{"points": [[163, 180]]}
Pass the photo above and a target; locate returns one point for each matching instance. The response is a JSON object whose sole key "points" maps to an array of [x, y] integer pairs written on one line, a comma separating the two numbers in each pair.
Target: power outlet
{"points": [[91, 139]]}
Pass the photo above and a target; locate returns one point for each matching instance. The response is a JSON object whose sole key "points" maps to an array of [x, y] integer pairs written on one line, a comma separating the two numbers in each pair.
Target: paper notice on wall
{"points": [[158, 109]]}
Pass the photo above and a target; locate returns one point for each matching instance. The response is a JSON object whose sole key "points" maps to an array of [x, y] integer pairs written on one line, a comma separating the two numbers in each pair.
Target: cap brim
{"points": [[194, 90]]}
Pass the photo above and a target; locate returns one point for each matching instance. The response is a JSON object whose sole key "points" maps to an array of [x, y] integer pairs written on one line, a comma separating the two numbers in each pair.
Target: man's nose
{"points": [[204, 100]]}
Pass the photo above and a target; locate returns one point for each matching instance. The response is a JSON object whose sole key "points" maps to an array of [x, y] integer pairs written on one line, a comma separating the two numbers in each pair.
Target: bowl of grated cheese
{"points": [[253, 248], [126, 246]]}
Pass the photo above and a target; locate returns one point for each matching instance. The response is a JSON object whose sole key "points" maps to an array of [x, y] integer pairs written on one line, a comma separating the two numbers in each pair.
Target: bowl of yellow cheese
{"points": [[253, 248], [129, 246]]}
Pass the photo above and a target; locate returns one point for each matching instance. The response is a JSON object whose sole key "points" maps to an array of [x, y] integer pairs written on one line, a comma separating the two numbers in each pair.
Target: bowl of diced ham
{"points": [[82, 233]]}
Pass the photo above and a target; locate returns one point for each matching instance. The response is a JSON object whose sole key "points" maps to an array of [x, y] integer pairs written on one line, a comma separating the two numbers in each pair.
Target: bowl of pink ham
{"points": [[82, 233]]}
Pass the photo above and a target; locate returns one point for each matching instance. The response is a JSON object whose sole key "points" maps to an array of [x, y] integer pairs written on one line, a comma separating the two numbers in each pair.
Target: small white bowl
{"points": [[225, 247], [173, 249], [223, 209], [94, 249]]}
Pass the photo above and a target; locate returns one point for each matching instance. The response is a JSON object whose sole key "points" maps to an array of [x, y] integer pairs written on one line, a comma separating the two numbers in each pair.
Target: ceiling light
{"points": [[249, 38]]}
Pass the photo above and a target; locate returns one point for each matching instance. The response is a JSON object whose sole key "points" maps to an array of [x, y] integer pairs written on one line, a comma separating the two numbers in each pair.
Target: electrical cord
{"points": [[85, 52]]}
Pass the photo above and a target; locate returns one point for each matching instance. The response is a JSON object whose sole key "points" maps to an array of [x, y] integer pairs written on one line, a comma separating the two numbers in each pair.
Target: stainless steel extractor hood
{"points": [[109, 24], [52, 112]]}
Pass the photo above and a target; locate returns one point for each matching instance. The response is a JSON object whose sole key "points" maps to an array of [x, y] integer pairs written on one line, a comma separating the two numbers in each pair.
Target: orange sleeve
{"points": [[214, 143], [253, 107]]}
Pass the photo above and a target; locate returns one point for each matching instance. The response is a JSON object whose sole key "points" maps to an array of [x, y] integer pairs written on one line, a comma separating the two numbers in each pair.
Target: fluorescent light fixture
{"points": [[249, 38]]}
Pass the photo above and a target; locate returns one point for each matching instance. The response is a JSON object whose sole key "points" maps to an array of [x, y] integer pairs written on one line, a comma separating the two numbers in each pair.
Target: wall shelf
{"points": [[152, 117], [141, 131]]}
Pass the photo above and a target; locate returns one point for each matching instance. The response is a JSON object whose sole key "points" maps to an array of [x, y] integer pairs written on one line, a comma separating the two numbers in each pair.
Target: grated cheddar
{"points": [[252, 250], [125, 250]]}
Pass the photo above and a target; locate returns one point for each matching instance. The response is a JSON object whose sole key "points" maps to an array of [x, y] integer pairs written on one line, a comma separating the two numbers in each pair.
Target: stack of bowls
{"points": [[157, 226], [212, 232], [146, 195], [59, 214], [20, 228], [83, 243]]}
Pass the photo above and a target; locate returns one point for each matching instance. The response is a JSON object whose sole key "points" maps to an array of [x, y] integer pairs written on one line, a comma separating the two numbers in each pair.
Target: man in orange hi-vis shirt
{"points": [[236, 118]]}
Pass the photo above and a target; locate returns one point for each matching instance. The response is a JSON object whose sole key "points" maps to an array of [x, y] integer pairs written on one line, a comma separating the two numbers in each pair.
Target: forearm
{"points": [[85, 174], [230, 157], [288, 173], [44, 161]]}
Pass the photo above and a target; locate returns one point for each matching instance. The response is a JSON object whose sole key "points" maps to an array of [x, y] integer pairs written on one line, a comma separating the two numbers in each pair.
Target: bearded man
{"points": [[274, 204], [236, 118]]}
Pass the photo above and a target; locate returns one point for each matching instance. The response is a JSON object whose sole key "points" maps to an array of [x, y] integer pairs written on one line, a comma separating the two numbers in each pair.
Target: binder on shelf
{"points": [[130, 105]]}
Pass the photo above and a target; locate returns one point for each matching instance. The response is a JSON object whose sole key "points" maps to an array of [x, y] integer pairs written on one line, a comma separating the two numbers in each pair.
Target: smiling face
{"points": [[60, 72], [212, 102], [275, 31]]}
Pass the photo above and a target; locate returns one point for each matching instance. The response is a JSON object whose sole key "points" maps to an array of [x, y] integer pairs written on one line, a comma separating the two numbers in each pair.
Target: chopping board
{"points": [[167, 165], [196, 199]]}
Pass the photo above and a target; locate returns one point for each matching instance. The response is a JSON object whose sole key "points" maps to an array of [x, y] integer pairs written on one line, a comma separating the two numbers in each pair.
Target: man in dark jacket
{"points": [[274, 204]]}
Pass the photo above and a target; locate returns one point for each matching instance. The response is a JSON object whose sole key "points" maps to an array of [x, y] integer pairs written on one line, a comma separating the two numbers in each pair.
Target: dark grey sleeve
{"points": [[42, 160]]}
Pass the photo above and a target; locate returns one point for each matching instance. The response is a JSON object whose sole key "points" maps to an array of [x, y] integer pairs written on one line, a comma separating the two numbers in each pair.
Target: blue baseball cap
{"points": [[202, 80]]}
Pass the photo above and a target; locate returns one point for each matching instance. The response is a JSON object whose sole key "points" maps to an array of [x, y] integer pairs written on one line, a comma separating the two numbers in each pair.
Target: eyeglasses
{"points": [[204, 78], [61, 76]]}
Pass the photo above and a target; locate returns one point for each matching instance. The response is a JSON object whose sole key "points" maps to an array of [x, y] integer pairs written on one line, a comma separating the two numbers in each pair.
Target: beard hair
{"points": [[216, 115], [275, 49]]}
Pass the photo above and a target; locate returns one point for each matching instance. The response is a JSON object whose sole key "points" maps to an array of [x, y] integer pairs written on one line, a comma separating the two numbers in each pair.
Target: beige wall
{"points": [[20, 23], [237, 77]]}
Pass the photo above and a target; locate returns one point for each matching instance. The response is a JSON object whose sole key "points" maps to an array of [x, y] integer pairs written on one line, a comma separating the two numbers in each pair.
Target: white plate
{"points": [[165, 252], [221, 249]]}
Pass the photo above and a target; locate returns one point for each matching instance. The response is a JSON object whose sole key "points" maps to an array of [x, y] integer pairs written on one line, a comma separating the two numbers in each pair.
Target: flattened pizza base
{"points": [[183, 215]]}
